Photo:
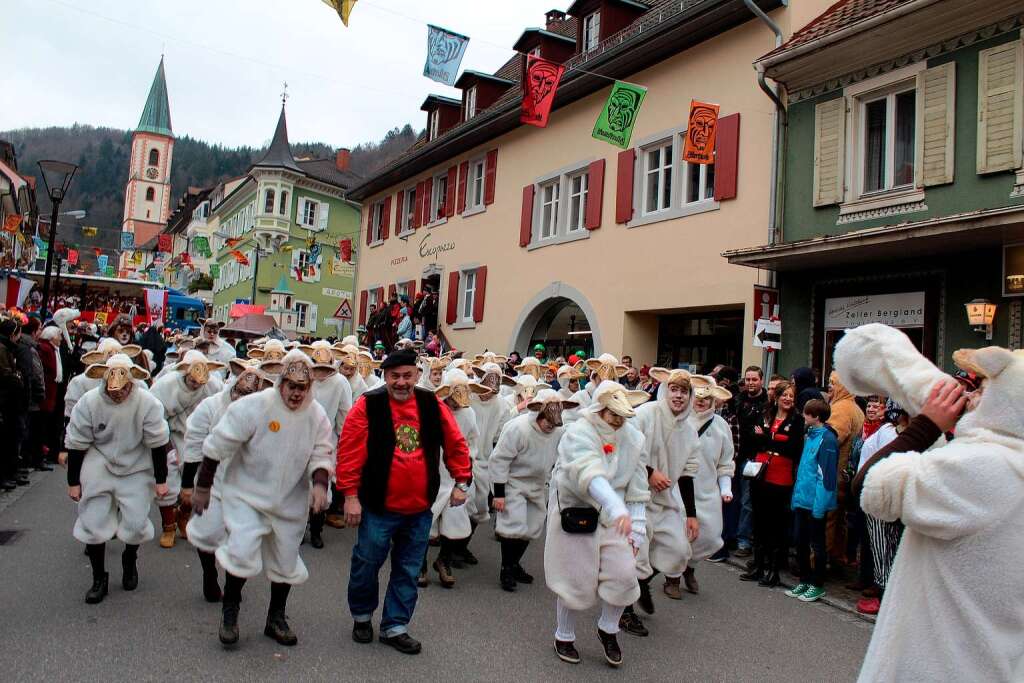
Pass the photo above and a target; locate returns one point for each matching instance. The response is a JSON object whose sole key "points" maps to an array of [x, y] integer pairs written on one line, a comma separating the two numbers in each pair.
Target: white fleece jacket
{"points": [[670, 446], [123, 434], [334, 395], [525, 455], [179, 401]]}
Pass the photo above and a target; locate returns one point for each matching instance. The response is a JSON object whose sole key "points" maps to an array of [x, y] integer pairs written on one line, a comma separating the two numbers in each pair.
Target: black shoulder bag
{"points": [[578, 520]]}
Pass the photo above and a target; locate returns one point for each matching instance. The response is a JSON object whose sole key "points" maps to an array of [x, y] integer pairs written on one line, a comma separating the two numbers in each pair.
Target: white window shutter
{"points": [[829, 151], [1000, 76], [316, 271], [296, 255], [321, 215], [311, 315], [936, 106]]}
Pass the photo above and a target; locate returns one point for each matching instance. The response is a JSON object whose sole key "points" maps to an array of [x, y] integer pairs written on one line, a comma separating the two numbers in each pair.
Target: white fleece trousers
{"points": [[566, 630]]}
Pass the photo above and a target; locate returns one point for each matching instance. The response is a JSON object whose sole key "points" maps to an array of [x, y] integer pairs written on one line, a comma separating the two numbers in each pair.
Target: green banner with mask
{"points": [[615, 124]]}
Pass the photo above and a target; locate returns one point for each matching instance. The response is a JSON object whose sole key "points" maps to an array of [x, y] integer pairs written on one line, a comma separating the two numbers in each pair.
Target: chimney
{"points": [[553, 16], [342, 158]]}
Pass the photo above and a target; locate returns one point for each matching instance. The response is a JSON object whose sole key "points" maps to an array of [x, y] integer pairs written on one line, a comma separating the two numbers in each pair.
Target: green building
{"points": [[901, 179], [284, 240]]}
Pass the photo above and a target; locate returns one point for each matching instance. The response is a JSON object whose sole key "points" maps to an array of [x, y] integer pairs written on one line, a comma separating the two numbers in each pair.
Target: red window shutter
{"points": [[399, 202], [428, 186], [417, 210], [526, 218], [386, 218], [481, 293], [490, 176], [392, 291], [381, 301], [463, 176], [595, 195], [369, 224], [411, 288], [624, 186], [363, 296], [727, 156], [453, 297], [449, 200]]}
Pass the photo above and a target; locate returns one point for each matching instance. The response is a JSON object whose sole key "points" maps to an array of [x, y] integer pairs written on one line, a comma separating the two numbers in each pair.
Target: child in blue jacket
{"points": [[814, 496]]}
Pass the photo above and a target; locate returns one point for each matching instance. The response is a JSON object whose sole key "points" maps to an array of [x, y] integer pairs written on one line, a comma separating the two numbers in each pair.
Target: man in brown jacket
{"points": [[847, 421]]}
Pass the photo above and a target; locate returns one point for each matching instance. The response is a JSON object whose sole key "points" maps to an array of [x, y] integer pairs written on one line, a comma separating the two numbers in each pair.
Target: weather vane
{"points": [[284, 93]]}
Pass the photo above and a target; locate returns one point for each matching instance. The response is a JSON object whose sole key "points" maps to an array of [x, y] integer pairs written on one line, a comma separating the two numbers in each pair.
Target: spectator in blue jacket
{"points": [[814, 496]]}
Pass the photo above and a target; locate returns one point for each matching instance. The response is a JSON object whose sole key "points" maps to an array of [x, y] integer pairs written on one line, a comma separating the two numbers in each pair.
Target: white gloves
{"points": [[601, 491]]}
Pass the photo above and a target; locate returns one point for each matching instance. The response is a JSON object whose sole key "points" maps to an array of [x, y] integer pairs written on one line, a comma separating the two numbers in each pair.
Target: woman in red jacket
{"points": [[49, 416]]}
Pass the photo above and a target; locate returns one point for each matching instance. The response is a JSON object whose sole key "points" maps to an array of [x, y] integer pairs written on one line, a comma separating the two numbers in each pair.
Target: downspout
{"points": [[778, 157]]}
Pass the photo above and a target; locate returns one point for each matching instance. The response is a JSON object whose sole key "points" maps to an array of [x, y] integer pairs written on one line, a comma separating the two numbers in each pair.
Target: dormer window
{"points": [[470, 103], [535, 51], [591, 31], [432, 124]]}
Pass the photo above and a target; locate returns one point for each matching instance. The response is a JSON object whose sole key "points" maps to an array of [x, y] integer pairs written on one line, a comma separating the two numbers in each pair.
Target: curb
{"points": [[788, 581], [9, 498]]}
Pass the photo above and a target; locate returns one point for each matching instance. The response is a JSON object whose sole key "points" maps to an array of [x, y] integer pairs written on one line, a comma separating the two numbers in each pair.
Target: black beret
{"points": [[397, 359]]}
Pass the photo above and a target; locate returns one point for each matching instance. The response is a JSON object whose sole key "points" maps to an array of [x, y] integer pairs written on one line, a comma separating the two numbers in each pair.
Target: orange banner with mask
{"points": [[702, 126]]}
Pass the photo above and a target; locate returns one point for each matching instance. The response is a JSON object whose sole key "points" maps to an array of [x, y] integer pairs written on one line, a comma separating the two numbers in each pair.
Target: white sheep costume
{"points": [[218, 350], [332, 391], [715, 471], [82, 383], [526, 389], [348, 364], [273, 453], [492, 413], [365, 365], [954, 584], [522, 463], [117, 472]]}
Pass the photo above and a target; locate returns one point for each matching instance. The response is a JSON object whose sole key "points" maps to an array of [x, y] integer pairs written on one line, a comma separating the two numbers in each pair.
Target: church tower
{"points": [[147, 197]]}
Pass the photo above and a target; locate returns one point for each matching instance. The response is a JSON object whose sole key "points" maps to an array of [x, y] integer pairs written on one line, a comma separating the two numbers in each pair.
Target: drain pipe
{"points": [[778, 158]]}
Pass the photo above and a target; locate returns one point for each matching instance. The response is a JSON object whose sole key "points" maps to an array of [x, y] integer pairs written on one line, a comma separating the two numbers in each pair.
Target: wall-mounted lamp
{"points": [[980, 314]]}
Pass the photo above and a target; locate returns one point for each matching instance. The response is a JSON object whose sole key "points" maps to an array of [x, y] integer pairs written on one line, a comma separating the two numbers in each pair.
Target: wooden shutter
{"points": [[936, 103], [624, 186], [481, 292], [399, 206], [323, 211], [829, 152], [428, 186], [490, 176], [526, 218], [392, 291], [381, 301], [363, 298], [727, 156], [1000, 75], [369, 224], [463, 177], [312, 312], [449, 200], [411, 288], [417, 209], [453, 297], [385, 220], [595, 195]]}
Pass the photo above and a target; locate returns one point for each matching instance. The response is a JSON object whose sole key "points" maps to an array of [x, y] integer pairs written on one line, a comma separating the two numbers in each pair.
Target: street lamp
{"points": [[57, 177], [980, 314]]}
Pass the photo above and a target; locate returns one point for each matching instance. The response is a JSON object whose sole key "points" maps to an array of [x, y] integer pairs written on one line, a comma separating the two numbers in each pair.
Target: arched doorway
{"points": [[562, 319]]}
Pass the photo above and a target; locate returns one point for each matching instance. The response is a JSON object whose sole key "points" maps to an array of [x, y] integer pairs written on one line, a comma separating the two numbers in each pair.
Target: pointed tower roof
{"points": [[279, 154], [282, 286], [156, 116]]}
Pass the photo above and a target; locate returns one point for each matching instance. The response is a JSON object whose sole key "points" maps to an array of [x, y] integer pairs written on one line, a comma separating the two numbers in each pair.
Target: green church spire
{"points": [[156, 117]]}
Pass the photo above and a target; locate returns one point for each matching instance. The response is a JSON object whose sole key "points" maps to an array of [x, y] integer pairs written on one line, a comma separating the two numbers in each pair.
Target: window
{"points": [[578, 200], [154, 157], [475, 193], [371, 298], [470, 103], [301, 313], [438, 197], [887, 140], [282, 206], [308, 216], [268, 202], [305, 261], [432, 124], [591, 31], [699, 183], [535, 51], [377, 222], [657, 178], [548, 210], [409, 210], [468, 294], [150, 194]]}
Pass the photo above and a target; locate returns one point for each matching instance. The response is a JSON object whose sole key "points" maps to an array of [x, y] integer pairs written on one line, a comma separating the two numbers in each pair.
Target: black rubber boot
{"points": [[316, 529], [100, 578], [757, 571], [211, 582], [646, 601], [277, 627], [129, 570], [232, 600], [508, 579]]}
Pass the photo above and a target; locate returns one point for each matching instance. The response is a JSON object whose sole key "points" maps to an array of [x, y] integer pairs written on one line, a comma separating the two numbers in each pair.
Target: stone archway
{"points": [[552, 311]]}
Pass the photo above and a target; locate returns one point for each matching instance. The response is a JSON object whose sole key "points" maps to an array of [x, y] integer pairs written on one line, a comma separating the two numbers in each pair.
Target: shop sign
{"points": [[766, 303], [905, 309], [427, 250], [336, 293]]}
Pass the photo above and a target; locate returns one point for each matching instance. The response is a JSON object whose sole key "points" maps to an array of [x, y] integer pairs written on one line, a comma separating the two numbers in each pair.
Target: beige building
{"points": [[549, 235]]}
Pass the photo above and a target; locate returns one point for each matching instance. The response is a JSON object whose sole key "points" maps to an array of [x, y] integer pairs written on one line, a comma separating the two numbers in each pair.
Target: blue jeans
{"points": [[405, 538], [745, 531]]}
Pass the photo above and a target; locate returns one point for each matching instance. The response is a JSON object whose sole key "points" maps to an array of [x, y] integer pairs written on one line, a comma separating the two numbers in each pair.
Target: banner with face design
{"points": [[445, 50], [700, 133], [542, 78], [617, 118]]}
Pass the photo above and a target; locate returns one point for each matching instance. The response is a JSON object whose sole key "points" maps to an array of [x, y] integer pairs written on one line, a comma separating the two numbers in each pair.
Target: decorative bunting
{"points": [[137, 258], [445, 50], [342, 7], [165, 243], [702, 127], [12, 223], [97, 251], [618, 116], [345, 249], [89, 231], [72, 257], [185, 259], [240, 257], [542, 78], [109, 271], [214, 270], [202, 246], [127, 241], [101, 262], [232, 242]]}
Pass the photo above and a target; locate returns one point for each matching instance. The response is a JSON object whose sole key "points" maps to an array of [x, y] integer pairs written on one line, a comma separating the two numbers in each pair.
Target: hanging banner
{"points": [[345, 250], [214, 270], [89, 231], [137, 258], [100, 318], [342, 7], [72, 257], [156, 305], [240, 257], [127, 241], [12, 222], [445, 50], [109, 271], [202, 246], [232, 242], [617, 118], [165, 243], [542, 78], [702, 126], [101, 263]]}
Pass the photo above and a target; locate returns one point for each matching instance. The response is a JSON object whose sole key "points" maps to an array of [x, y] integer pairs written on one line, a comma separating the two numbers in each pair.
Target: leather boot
{"points": [[690, 581], [444, 573], [129, 571], [771, 579], [756, 572], [229, 626], [646, 601], [278, 629], [631, 623], [168, 518], [316, 528], [508, 579], [98, 590], [181, 517], [335, 521], [672, 588], [612, 653]]}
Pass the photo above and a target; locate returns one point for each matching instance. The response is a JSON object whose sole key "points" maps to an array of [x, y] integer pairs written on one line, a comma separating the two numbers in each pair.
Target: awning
{"points": [[238, 310], [255, 325], [17, 182], [947, 234]]}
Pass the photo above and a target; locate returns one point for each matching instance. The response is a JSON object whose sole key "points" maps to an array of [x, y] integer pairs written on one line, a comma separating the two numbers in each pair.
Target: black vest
{"points": [[380, 445]]}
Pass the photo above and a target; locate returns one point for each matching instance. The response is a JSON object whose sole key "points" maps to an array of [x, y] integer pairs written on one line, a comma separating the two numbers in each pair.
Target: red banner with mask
{"points": [[539, 86], [345, 249], [165, 243]]}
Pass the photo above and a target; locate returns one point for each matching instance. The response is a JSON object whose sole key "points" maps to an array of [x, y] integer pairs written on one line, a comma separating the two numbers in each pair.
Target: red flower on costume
{"points": [[609, 449]]}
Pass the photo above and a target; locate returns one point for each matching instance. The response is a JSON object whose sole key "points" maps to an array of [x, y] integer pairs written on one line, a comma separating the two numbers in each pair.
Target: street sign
{"points": [[344, 311], [768, 334], [766, 303]]}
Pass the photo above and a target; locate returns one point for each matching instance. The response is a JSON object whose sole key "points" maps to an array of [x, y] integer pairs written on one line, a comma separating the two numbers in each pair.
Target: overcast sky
{"points": [[93, 62]]}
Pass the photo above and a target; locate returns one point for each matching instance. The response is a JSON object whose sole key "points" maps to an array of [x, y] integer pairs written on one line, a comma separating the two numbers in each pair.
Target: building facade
{"points": [[288, 221], [547, 235], [903, 176]]}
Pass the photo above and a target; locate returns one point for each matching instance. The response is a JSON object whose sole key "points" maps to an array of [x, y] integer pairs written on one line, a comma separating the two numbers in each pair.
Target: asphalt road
{"points": [[165, 631]]}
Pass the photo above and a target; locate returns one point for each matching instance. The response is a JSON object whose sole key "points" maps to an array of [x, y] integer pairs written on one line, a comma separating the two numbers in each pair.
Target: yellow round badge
{"points": [[275, 426]]}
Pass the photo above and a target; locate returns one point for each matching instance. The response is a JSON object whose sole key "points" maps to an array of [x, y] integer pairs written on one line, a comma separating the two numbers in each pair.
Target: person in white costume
{"points": [[531, 367], [182, 345], [348, 367], [953, 607], [82, 383], [604, 367], [452, 526], [569, 377], [117, 453], [279, 442], [523, 392], [366, 364], [599, 481], [217, 349], [180, 393], [206, 532], [520, 467], [713, 484], [432, 371]]}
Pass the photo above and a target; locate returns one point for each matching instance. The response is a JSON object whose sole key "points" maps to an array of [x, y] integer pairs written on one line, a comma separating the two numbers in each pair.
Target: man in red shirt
{"points": [[389, 459]]}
